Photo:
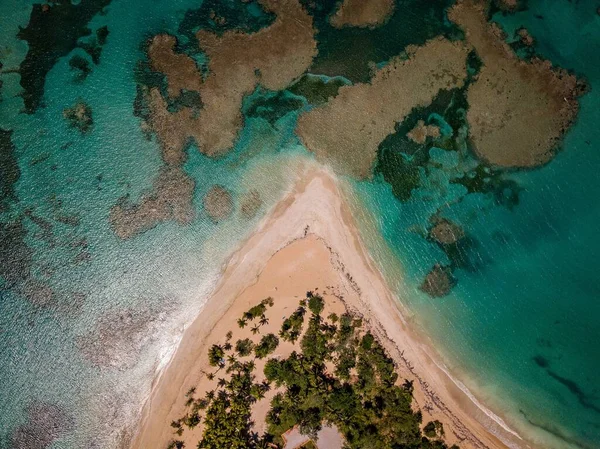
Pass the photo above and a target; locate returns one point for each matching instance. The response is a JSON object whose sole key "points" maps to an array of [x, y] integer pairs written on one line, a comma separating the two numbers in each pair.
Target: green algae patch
{"points": [[53, 32], [487, 180], [218, 17], [318, 89], [79, 116], [9, 169], [352, 51], [401, 158], [271, 106]]}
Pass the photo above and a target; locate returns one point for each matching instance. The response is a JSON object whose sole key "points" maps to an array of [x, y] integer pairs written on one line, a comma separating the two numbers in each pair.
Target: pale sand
{"points": [[309, 241]]}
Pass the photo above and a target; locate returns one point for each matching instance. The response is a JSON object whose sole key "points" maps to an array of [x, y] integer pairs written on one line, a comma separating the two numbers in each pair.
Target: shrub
{"points": [[316, 304], [216, 355], [244, 347], [267, 345]]}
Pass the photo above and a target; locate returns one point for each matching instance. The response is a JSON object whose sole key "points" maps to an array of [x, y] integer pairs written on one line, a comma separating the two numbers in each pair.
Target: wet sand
{"points": [[309, 241]]}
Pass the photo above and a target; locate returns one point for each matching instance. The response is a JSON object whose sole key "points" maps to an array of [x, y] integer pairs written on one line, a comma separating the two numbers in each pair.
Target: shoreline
{"points": [[315, 211]]}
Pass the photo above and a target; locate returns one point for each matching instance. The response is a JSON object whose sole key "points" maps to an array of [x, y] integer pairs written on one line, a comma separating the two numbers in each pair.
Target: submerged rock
{"points": [[9, 169], [16, 256], [169, 199], [46, 422], [119, 336], [218, 203], [438, 282], [80, 66], [445, 232], [421, 132], [250, 204], [79, 116], [525, 37]]}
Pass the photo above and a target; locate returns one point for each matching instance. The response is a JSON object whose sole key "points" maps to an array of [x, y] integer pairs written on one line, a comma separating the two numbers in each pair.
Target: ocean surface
{"points": [[87, 318]]}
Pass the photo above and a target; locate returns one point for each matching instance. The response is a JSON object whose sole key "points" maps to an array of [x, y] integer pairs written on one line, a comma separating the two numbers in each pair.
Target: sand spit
{"points": [[349, 128], [307, 242], [518, 110], [362, 13]]}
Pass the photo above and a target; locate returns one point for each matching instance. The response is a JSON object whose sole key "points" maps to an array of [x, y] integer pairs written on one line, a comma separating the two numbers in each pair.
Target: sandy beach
{"points": [[309, 242]]}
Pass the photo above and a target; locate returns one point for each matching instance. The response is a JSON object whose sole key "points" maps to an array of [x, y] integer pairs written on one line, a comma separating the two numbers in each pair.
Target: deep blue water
{"points": [[521, 327]]}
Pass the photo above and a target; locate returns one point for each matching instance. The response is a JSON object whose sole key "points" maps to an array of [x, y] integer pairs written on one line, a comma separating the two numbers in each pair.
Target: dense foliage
{"points": [[362, 397]]}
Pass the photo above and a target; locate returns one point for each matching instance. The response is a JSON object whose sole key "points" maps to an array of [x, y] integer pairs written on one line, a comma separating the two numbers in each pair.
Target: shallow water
{"points": [[520, 327]]}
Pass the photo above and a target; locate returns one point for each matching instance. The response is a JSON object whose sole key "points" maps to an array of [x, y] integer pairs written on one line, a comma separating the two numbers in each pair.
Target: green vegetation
{"points": [[363, 397], [267, 345], [315, 303], [258, 310], [244, 347], [292, 326], [434, 429], [216, 354]]}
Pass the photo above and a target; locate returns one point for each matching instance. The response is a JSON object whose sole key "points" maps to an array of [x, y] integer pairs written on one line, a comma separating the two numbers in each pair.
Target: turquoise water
{"points": [[521, 325]]}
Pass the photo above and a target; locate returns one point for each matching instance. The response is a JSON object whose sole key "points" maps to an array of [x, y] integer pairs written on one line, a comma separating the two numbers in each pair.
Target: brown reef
{"points": [[79, 116], [118, 337], [438, 282], [421, 132], [181, 70], [272, 57], [446, 232], [251, 203], [170, 199], [349, 128], [238, 62], [46, 422], [518, 110], [362, 13], [218, 203]]}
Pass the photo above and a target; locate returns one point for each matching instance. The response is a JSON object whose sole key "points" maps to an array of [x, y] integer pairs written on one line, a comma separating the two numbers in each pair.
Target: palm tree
{"points": [[231, 359], [210, 376], [263, 320], [210, 395], [242, 323], [255, 329], [222, 382], [227, 346]]}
